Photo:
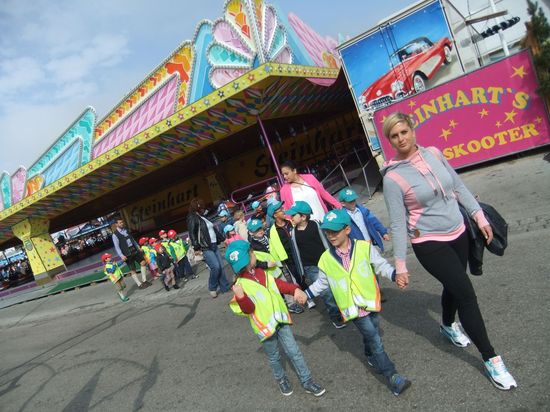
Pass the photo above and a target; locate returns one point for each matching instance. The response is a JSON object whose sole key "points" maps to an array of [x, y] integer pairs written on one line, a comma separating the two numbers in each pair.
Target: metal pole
{"points": [[500, 34], [273, 158]]}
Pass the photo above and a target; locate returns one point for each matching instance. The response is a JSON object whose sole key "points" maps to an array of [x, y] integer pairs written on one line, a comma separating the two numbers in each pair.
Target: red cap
{"points": [[152, 240], [172, 233], [143, 241], [161, 233], [158, 246], [106, 256]]}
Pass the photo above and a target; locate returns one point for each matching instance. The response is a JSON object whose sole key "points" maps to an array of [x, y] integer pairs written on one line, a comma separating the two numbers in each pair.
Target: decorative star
{"points": [[206, 102], [538, 119], [193, 109], [267, 68], [498, 124], [221, 94], [236, 85], [510, 116], [453, 124], [168, 123], [383, 120], [519, 71], [445, 133], [280, 68], [412, 103], [181, 116], [251, 76], [483, 113]]}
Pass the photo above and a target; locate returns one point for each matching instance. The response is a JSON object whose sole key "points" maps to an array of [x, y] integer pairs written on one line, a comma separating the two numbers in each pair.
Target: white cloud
{"points": [[19, 73]]}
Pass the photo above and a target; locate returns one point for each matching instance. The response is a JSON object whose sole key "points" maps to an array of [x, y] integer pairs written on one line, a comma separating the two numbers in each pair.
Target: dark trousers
{"points": [[446, 261]]}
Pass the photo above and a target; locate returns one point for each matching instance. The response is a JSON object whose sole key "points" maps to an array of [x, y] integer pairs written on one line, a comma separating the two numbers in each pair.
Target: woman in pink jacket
{"points": [[307, 188]]}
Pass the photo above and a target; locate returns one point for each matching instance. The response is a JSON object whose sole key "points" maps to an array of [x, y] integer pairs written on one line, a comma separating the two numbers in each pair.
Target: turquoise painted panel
{"points": [[5, 188], [219, 55], [65, 163], [200, 86]]}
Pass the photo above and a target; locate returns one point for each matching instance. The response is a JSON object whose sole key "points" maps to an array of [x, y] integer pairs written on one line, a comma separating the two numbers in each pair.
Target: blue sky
{"points": [[59, 56]]}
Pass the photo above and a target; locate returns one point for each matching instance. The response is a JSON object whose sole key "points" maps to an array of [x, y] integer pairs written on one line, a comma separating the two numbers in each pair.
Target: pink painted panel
{"points": [[18, 185], [486, 114], [158, 107]]}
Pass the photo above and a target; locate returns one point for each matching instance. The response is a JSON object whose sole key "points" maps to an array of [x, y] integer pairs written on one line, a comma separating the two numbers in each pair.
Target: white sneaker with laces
{"points": [[499, 375], [455, 335], [311, 304]]}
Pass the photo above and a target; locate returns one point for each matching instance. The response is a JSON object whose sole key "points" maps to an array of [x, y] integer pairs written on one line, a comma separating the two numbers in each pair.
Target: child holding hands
{"points": [[113, 272], [258, 297]]}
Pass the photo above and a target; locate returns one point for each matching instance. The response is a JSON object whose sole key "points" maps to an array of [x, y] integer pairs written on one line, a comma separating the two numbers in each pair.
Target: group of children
{"points": [[166, 258], [302, 259]]}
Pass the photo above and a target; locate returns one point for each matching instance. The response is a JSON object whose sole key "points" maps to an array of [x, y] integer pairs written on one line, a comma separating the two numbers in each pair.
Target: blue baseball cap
{"points": [[228, 228], [255, 204], [237, 255], [300, 207], [273, 207], [254, 225], [223, 213], [336, 220], [347, 195]]}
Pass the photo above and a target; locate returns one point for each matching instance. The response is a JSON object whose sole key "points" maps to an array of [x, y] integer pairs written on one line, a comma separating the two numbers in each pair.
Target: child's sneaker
{"points": [[310, 304], [295, 308], [339, 324], [399, 384], [455, 335], [313, 388], [499, 375], [285, 386], [124, 298]]}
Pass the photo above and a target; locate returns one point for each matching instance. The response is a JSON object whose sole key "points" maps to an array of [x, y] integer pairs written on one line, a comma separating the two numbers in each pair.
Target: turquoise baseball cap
{"points": [[347, 194], [300, 207], [254, 225], [228, 228], [255, 204], [223, 213], [237, 255], [336, 220], [273, 207]]}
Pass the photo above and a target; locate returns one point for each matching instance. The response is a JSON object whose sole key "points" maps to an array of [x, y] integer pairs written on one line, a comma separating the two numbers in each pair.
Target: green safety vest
{"points": [[179, 248], [356, 288], [146, 253], [276, 247], [170, 249], [114, 276], [270, 308], [276, 272]]}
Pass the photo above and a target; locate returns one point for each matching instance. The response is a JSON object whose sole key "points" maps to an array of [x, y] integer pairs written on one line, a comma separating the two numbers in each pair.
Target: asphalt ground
{"points": [[182, 350]]}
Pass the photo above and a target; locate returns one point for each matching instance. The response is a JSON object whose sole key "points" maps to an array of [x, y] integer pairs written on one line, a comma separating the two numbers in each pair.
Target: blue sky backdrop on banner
{"points": [[428, 22], [58, 57]]}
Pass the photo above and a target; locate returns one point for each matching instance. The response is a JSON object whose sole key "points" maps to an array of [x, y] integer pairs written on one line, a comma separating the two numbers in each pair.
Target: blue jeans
{"points": [[312, 273], [374, 350], [185, 268], [217, 277], [271, 348]]}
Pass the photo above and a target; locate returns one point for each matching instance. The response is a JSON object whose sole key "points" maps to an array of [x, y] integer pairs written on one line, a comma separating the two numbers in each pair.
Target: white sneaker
{"points": [[455, 335], [311, 304], [499, 375]]}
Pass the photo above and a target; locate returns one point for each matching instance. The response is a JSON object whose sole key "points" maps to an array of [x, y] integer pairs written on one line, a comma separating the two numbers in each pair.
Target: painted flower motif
{"points": [[245, 38]]}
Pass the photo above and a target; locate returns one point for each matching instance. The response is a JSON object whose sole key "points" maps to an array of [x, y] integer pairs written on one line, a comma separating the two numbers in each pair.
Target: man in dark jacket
{"points": [[130, 253]]}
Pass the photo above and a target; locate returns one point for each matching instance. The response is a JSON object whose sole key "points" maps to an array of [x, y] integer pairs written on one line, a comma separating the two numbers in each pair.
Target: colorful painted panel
{"points": [[65, 163], [18, 185], [81, 129], [5, 191], [180, 62], [157, 107]]}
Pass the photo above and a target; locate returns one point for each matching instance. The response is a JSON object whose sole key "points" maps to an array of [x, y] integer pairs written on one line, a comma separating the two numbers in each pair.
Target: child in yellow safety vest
{"points": [[146, 249], [348, 268], [182, 261], [257, 295], [113, 272]]}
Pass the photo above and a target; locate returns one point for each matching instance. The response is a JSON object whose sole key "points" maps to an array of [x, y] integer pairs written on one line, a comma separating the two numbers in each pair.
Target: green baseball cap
{"points": [[300, 207], [273, 207], [347, 194], [254, 225], [336, 220], [237, 255]]}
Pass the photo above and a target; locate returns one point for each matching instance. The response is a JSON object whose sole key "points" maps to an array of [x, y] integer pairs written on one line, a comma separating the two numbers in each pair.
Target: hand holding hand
{"points": [[300, 296], [238, 291], [124, 258], [402, 280], [487, 232], [386, 237]]}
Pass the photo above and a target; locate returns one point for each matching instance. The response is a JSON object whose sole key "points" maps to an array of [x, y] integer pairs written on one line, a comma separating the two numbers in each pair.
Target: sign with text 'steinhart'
{"points": [[491, 112]]}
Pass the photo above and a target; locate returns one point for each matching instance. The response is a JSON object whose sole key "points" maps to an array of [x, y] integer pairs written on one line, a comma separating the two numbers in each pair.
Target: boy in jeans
{"points": [[310, 244], [348, 268], [258, 297]]}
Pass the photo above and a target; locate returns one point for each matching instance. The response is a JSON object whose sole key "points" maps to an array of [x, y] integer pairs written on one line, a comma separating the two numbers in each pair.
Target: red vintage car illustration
{"points": [[411, 66]]}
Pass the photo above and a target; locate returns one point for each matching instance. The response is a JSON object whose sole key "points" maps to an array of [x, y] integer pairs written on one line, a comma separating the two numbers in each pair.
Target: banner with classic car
{"points": [[488, 113], [406, 55]]}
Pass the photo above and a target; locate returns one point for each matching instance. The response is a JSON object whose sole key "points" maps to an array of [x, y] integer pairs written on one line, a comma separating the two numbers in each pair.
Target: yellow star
{"points": [[453, 124], [383, 120], [483, 113], [412, 103], [519, 71], [510, 116], [538, 119], [445, 133], [498, 124]]}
